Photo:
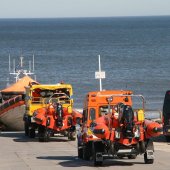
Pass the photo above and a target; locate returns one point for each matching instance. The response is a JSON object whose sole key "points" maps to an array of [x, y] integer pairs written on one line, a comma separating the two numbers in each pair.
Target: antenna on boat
{"points": [[14, 65], [19, 72], [29, 66], [100, 74]]}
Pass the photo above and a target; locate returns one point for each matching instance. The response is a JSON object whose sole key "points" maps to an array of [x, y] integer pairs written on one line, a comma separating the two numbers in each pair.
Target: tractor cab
{"points": [[100, 103]]}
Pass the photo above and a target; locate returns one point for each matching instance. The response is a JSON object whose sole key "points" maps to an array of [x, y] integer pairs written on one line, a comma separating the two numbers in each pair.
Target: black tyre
{"points": [[149, 147], [97, 147], [142, 147], [167, 138], [43, 134], [26, 128], [72, 136], [80, 153], [87, 152], [97, 163], [147, 161], [65, 133], [32, 133]]}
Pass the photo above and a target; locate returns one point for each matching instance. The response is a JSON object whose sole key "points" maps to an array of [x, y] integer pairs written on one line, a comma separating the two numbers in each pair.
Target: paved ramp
{"points": [[21, 153]]}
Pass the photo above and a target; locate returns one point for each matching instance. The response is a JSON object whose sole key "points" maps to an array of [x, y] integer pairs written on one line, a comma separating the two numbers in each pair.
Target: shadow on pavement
{"points": [[20, 137], [73, 161], [160, 138]]}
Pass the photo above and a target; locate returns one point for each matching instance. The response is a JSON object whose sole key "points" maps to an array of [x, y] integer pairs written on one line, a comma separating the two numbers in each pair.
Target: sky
{"points": [[82, 8]]}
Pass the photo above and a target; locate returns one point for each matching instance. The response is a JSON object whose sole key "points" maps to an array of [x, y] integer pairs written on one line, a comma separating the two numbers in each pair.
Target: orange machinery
{"points": [[111, 128], [49, 108]]}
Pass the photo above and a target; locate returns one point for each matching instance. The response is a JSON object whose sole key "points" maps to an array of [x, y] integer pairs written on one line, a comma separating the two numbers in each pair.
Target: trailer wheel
{"points": [[72, 136], [97, 163], [97, 154], [167, 138], [43, 134], [80, 153], [148, 155], [26, 128], [32, 133], [148, 161], [142, 147], [86, 151]]}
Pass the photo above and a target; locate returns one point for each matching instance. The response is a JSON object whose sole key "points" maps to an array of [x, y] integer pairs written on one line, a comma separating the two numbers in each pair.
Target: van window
{"points": [[92, 114]]}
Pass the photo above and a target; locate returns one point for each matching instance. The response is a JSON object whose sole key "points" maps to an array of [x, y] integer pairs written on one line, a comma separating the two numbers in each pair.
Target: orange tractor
{"points": [[111, 128], [50, 110]]}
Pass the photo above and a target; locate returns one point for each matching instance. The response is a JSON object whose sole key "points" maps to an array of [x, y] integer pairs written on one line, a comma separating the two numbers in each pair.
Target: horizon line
{"points": [[130, 16]]}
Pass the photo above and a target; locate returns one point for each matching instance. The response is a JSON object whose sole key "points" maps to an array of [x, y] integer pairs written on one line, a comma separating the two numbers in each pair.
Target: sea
{"points": [[134, 51]]}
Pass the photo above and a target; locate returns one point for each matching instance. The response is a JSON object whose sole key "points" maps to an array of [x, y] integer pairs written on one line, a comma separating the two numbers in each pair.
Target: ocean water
{"points": [[135, 53]]}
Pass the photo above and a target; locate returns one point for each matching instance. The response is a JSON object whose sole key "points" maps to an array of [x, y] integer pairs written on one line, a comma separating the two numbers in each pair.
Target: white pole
{"points": [[100, 77], [33, 63], [14, 65], [21, 58], [9, 63]]}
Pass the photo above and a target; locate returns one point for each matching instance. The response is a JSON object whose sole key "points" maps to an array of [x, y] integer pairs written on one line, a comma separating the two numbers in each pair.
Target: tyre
{"points": [[146, 160], [72, 136], [97, 163], [32, 133], [148, 155], [87, 152], [43, 134], [167, 138], [142, 147], [65, 133], [97, 148], [26, 128], [80, 153]]}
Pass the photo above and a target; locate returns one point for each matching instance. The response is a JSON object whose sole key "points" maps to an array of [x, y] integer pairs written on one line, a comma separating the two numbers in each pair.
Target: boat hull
{"points": [[13, 118]]}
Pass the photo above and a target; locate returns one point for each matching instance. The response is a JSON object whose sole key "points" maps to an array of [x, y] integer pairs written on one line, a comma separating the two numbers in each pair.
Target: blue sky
{"points": [[82, 8]]}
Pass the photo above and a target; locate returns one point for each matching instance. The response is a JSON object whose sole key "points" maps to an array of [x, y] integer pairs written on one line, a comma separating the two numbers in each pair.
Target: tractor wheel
{"points": [[80, 153], [43, 134], [72, 136], [86, 152], [97, 148], [148, 155], [65, 133], [97, 163], [26, 128], [167, 138], [32, 133], [142, 147], [148, 161]]}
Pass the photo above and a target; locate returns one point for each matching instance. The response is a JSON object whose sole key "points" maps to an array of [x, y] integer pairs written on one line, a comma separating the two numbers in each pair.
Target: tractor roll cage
{"points": [[124, 95]]}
